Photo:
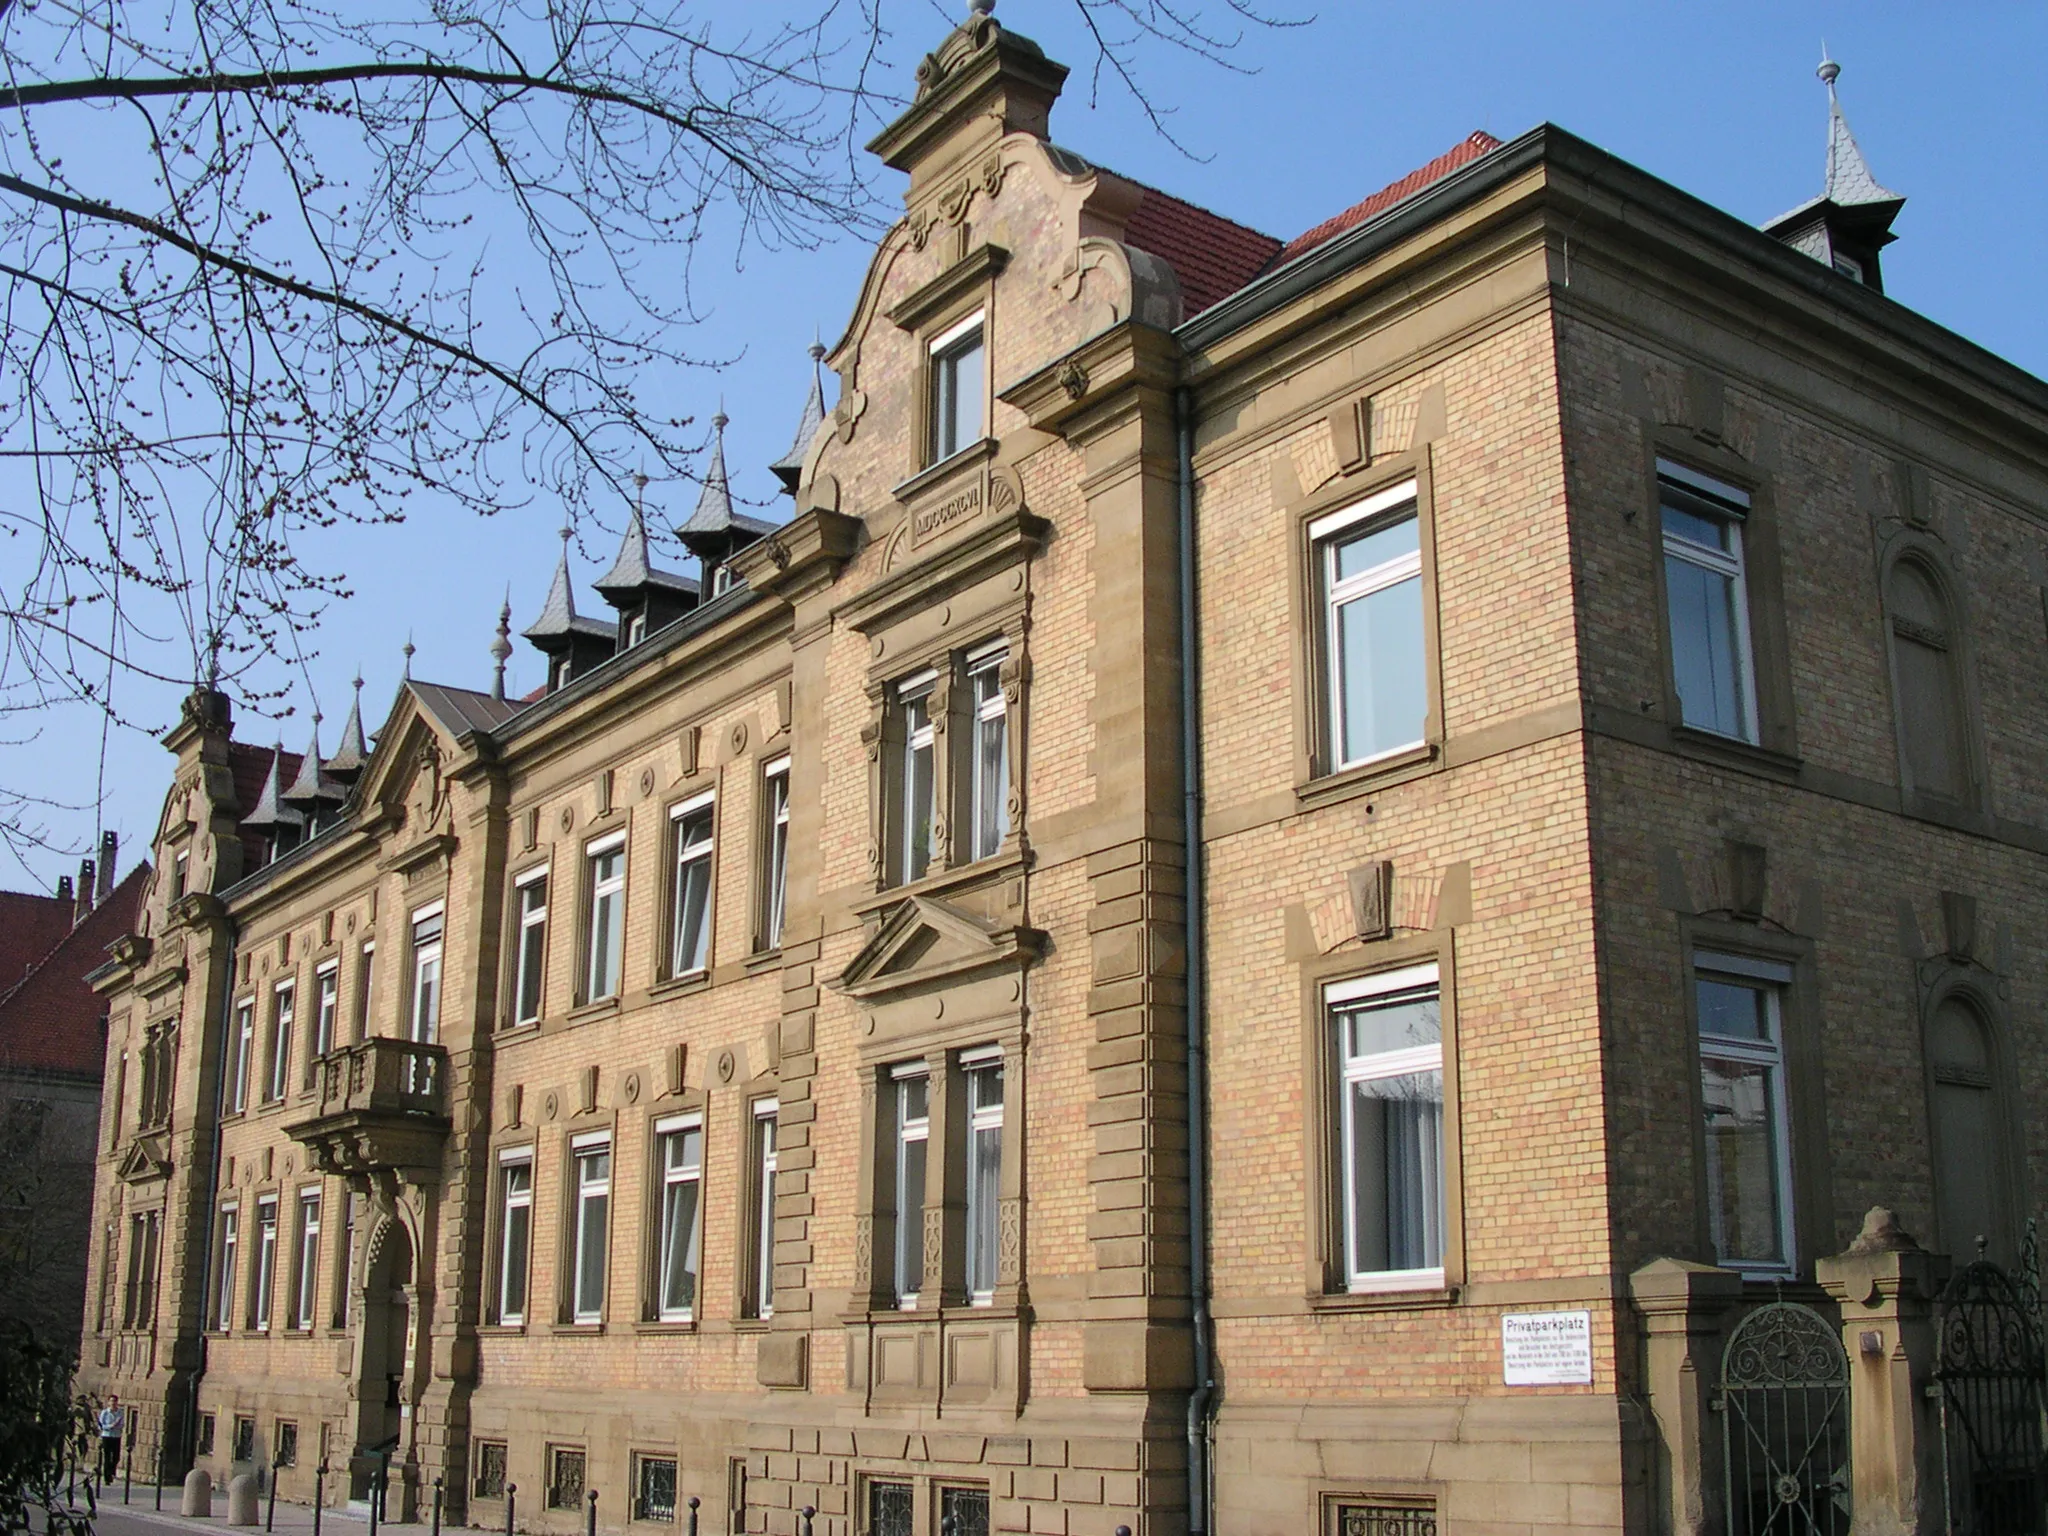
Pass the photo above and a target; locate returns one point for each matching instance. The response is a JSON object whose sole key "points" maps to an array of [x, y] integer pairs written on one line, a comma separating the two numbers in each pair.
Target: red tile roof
{"points": [[1212, 256], [1463, 153], [30, 927], [50, 1019]]}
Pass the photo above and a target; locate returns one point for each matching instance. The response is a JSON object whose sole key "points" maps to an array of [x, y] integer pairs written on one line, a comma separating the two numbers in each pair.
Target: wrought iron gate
{"points": [[1988, 1375], [1784, 1404]]}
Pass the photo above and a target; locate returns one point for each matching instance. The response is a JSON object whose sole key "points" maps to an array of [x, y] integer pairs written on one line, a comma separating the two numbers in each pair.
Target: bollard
{"points": [[949, 1526], [694, 1502], [376, 1499], [270, 1515], [128, 1469], [511, 1493], [437, 1507], [808, 1511], [591, 1526], [243, 1492], [319, 1492], [1123, 1530], [159, 1466], [196, 1503]]}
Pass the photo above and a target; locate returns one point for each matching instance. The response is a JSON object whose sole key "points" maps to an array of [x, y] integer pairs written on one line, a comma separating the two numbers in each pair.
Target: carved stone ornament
{"points": [[568, 817], [739, 736], [1073, 378], [847, 413], [429, 791], [629, 1089], [727, 1066], [550, 1105], [646, 781]]}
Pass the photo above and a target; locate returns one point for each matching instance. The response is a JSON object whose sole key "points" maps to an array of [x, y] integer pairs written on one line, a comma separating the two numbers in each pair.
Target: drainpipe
{"points": [[220, 1108], [1202, 1400]]}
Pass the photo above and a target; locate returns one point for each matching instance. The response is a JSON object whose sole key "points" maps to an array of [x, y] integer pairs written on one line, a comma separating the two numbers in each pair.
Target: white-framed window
{"points": [[515, 1233], [243, 1047], [958, 389], [366, 973], [1739, 1002], [775, 863], [636, 630], [914, 789], [988, 810], [761, 1283], [605, 921], [224, 1280], [983, 1072], [680, 1144], [911, 1084], [266, 1264], [1369, 574], [326, 1011], [428, 924], [306, 1282], [593, 1166], [691, 832], [531, 961], [282, 1000], [1706, 594], [181, 873], [1388, 1043]]}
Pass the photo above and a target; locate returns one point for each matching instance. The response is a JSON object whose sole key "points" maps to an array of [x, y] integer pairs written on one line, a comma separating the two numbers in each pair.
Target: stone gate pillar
{"points": [[1886, 1284], [1682, 1304]]}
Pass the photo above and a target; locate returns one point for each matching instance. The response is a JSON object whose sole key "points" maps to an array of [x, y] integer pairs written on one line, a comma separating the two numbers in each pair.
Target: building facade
{"points": [[1591, 648]]}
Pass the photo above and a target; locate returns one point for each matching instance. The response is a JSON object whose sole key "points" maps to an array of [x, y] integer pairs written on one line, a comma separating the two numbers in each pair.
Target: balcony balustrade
{"points": [[381, 1104]]}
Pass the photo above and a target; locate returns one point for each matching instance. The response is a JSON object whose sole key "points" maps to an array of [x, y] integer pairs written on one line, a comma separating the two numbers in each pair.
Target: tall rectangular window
{"points": [[912, 1087], [892, 1511], [366, 973], [690, 835], [345, 1261], [988, 811], [515, 1236], [181, 873], [958, 361], [775, 851], [604, 925], [427, 928], [531, 960], [281, 1008], [1706, 594], [915, 777], [242, 1046], [306, 1279], [1739, 1002], [760, 1297], [224, 1276], [984, 1182], [263, 1292], [1387, 1040], [1369, 571], [138, 1301], [593, 1160], [681, 1146], [326, 1012]]}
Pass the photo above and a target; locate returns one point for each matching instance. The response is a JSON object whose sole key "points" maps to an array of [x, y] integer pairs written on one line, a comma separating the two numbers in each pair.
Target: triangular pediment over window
{"points": [[145, 1160], [924, 940]]}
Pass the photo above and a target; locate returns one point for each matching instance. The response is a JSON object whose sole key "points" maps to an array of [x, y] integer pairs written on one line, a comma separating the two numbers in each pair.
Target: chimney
{"points": [[110, 849], [64, 889], [81, 904]]}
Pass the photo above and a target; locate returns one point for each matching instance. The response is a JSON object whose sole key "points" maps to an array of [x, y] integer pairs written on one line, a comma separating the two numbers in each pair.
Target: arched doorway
{"points": [[382, 1343], [1972, 1197]]}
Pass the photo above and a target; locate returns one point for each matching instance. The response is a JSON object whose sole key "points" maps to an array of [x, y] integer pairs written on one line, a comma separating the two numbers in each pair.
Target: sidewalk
{"points": [[114, 1518]]}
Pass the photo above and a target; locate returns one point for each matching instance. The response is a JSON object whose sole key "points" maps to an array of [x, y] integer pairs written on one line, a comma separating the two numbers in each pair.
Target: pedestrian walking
{"points": [[111, 1422]]}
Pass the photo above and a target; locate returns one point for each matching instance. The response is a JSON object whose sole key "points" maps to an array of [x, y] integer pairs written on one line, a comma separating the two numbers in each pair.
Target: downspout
{"points": [[1202, 1400], [220, 1105]]}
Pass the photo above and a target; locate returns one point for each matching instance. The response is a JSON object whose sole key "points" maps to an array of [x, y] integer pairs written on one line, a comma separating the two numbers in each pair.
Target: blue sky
{"points": [[1721, 101]]}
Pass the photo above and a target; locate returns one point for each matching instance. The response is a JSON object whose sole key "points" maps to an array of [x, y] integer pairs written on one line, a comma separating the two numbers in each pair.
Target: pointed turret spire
{"points": [[271, 812], [572, 643], [790, 467], [351, 756], [714, 501], [501, 648], [1851, 221], [558, 613], [715, 531], [1849, 180]]}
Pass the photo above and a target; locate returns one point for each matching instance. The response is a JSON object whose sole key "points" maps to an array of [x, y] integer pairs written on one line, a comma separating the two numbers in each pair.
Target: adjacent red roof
{"points": [[50, 1020], [1212, 256], [30, 927], [1462, 154]]}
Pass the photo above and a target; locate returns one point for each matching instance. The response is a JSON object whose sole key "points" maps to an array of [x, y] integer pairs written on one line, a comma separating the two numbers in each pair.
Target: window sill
{"points": [[502, 1330], [602, 1008], [576, 1330], [1755, 756], [763, 960], [1012, 861], [296, 1333], [680, 986], [752, 1324], [524, 1028], [973, 453], [1384, 1301], [1378, 773], [666, 1325]]}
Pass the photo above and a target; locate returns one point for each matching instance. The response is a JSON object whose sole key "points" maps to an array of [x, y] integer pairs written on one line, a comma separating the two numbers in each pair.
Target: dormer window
{"points": [[958, 362], [636, 630], [1849, 267], [721, 580]]}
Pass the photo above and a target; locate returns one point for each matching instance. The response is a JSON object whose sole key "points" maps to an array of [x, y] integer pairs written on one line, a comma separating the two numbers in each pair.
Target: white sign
{"points": [[1546, 1349]]}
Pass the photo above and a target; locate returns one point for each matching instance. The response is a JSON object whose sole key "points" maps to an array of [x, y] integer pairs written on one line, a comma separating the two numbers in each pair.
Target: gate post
{"points": [[1681, 1305], [1886, 1284]]}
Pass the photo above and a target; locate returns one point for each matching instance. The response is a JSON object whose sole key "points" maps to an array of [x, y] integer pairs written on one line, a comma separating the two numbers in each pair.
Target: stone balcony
{"points": [[381, 1105]]}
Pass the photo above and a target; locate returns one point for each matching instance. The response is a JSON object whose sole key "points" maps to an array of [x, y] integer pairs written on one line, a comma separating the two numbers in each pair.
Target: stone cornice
{"points": [[801, 556], [969, 272], [1096, 377]]}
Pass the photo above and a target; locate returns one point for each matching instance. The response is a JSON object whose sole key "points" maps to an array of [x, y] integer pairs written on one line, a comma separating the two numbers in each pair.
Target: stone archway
{"points": [[383, 1349]]}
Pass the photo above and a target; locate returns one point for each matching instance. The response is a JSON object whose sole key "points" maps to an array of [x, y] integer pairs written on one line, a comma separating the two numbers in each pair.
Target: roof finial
{"points": [[501, 648], [721, 420], [408, 651], [979, 7], [1829, 70]]}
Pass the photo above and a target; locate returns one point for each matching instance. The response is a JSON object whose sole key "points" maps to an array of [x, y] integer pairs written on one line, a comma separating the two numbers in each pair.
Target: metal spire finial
{"points": [[979, 8], [721, 420], [501, 648], [408, 651]]}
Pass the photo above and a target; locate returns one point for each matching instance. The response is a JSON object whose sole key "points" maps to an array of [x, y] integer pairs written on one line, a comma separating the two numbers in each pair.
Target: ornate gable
{"points": [[926, 942], [146, 1161]]}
